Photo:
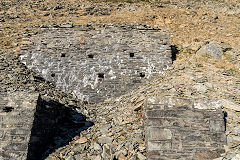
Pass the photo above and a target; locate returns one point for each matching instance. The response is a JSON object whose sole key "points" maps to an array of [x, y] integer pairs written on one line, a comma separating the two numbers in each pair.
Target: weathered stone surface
{"points": [[98, 63], [16, 119], [183, 130]]}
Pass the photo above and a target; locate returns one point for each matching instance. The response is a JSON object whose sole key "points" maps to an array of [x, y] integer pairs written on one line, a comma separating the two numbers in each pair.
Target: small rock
{"points": [[193, 46], [140, 99], [77, 149], [201, 79], [70, 158], [96, 146], [200, 88], [107, 152], [141, 156], [236, 157], [208, 85], [105, 128], [142, 148], [105, 140], [215, 16], [225, 47], [82, 140], [78, 156], [67, 25], [98, 157], [230, 105], [46, 14], [212, 49], [122, 157], [138, 106]]}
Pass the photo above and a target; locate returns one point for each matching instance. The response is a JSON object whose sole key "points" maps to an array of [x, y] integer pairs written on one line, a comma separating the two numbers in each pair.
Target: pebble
{"points": [[200, 88], [122, 157], [98, 157], [70, 158], [141, 156], [105, 140], [105, 128], [82, 140], [97, 146]]}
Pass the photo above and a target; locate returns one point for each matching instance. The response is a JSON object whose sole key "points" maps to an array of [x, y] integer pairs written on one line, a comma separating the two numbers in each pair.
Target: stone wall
{"points": [[54, 126], [98, 63], [16, 119], [32, 127], [178, 128]]}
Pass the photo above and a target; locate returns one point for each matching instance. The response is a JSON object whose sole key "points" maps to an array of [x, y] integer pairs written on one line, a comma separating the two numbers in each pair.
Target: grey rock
{"points": [[237, 130], [78, 156], [77, 149], [104, 128], [67, 25], [141, 156], [105, 140], [107, 152], [212, 49], [96, 146], [70, 158], [236, 157], [200, 88], [225, 47], [98, 157]]}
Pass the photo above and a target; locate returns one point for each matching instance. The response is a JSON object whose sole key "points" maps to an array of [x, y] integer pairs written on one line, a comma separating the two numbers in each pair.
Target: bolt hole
{"points": [[8, 109], [131, 54], [100, 75], [63, 55], [53, 75], [142, 74], [90, 56]]}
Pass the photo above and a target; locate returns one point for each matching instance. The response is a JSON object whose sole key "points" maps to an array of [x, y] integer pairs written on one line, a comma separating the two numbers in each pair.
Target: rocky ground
{"points": [[118, 131]]}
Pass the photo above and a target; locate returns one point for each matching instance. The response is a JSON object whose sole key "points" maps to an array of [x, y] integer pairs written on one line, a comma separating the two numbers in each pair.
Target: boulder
{"points": [[211, 49]]}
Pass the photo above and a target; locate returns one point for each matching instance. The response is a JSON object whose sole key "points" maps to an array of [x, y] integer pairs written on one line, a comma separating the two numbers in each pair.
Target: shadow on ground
{"points": [[175, 51], [54, 126]]}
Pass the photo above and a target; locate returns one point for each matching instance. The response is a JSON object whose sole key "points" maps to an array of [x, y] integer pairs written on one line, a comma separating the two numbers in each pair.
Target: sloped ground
{"points": [[120, 120]]}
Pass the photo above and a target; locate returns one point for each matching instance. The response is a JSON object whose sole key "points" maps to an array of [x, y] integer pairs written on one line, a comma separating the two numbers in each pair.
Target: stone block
{"points": [[156, 145], [155, 133], [217, 126]]}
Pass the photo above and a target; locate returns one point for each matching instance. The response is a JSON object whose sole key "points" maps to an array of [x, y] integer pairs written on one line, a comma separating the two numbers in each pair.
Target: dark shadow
{"points": [[175, 51], [225, 120], [54, 126]]}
